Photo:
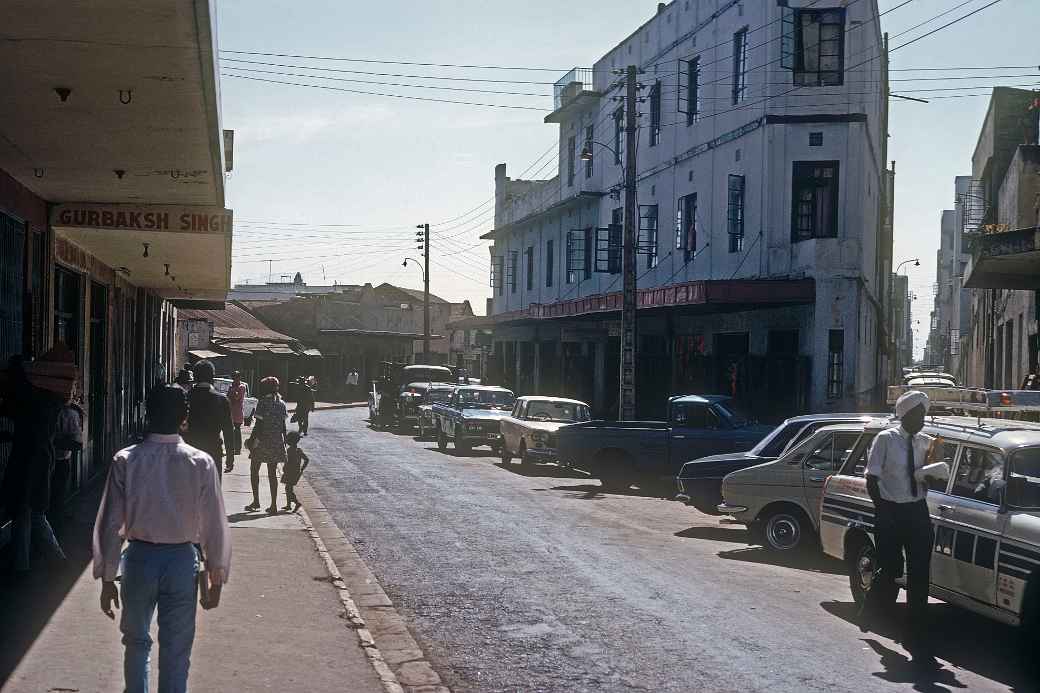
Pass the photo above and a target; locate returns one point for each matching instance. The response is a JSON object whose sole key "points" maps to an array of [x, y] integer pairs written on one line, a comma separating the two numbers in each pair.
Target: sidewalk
{"points": [[278, 627]]}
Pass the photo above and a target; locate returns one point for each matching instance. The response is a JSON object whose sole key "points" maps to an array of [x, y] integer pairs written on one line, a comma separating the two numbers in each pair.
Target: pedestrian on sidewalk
{"points": [[352, 384], [68, 441], [304, 405], [897, 485], [236, 397], [268, 442], [37, 393], [295, 462], [185, 379], [209, 418], [163, 497]]}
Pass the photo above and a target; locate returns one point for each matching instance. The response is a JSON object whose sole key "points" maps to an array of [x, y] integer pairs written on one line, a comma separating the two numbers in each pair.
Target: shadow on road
{"points": [[590, 491], [737, 535], [965, 640], [813, 561], [552, 471]]}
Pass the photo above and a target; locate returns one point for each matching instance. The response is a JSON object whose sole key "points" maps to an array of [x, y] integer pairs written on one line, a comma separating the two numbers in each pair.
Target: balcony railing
{"points": [[570, 85]]}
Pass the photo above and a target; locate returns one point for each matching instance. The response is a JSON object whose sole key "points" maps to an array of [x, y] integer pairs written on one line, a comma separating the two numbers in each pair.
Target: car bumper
{"points": [[727, 509], [547, 454], [475, 439]]}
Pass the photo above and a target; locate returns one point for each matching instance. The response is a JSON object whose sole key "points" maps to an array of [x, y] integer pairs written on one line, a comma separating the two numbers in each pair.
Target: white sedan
{"points": [[529, 432]]}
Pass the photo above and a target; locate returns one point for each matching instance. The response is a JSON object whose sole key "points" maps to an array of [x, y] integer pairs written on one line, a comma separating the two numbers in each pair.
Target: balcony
{"points": [[571, 91], [1005, 260]]}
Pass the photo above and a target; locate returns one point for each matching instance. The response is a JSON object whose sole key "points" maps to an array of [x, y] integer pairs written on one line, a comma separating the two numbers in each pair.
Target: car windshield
{"points": [[489, 399], [1024, 481], [734, 414], [438, 395], [774, 443], [566, 412]]}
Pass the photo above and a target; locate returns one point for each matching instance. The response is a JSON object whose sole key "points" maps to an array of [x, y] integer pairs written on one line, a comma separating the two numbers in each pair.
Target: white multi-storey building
{"points": [[764, 232]]}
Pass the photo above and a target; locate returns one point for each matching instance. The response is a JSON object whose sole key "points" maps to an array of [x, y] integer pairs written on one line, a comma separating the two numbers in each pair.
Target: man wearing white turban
{"points": [[898, 488]]}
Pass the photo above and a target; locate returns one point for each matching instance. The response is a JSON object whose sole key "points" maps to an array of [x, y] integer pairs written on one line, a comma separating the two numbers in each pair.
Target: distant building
{"points": [[764, 223], [1004, 269], [284, 291]]}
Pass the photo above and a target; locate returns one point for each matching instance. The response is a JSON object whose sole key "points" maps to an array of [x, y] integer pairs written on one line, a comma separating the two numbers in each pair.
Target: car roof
{"points": [[700, 399], [1006, 434], [540, 398], [837, 416], [492, 388], [416, 366]]}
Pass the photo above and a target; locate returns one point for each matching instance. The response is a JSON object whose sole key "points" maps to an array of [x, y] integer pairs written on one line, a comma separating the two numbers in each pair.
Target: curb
{"points": [[352, 613], [400, 663]]}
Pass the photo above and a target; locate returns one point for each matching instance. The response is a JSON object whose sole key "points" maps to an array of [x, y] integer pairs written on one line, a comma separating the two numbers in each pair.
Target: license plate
{"points": [[492, 436]]}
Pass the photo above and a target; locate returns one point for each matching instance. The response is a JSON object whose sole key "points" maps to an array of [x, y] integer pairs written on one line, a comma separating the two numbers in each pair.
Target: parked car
{"points": [[471, 417], [529, 432], [436, 392], [984, 504], [384, 393], [779, 501], [223, 385], [619, 451], [700, 481]]}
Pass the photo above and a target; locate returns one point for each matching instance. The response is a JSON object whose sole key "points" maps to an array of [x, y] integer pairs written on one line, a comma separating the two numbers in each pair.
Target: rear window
{"points": [[1024, 481], [775, 443]]}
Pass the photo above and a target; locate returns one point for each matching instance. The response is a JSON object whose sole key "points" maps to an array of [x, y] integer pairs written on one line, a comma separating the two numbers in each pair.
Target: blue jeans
{"points": [[163, 576], [32, 526]]}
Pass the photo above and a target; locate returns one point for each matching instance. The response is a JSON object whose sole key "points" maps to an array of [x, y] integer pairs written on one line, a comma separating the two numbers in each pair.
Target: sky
{"points": [[332, 183]]}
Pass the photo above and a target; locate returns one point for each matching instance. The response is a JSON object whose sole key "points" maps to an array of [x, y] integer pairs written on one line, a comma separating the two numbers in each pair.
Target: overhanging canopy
{"points": [[1008, 260]]}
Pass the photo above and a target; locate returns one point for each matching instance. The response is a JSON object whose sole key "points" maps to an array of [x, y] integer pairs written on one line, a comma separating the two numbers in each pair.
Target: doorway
{"points": [[98, 370]]}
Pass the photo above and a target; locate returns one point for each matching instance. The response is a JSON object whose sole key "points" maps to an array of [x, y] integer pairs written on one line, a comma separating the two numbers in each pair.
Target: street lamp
{"points": [[586, 150], [895, 329]]}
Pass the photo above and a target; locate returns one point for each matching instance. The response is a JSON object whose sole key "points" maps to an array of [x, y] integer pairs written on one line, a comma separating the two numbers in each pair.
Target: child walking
{"points": [[295, 462]]}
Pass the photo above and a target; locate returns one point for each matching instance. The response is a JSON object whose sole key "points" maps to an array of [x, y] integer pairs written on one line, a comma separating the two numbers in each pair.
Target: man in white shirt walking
{"points": [[163, 497], [897, 485]]}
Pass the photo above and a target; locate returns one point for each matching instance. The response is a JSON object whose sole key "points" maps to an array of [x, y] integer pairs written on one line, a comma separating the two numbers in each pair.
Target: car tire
{"points": [[615, 473], [861, 562], [504, 453], [442, 440], [786, 529]]}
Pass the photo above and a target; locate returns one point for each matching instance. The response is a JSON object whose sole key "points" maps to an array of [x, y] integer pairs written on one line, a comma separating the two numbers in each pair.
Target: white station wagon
{"points": [[529, 432]]}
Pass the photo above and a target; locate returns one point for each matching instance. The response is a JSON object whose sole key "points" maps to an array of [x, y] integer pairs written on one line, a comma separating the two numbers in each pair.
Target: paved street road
{"points": [[533, 580]]}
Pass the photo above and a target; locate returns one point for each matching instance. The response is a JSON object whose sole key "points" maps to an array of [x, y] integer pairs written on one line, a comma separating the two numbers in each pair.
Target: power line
{"points": [[318, 68], [395, 62], [948, 24], [384, 84], [374, 93]]}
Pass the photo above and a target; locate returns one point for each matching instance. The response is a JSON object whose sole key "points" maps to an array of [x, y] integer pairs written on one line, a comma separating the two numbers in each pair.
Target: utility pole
{"points": [[424, 245], [627, 396]]}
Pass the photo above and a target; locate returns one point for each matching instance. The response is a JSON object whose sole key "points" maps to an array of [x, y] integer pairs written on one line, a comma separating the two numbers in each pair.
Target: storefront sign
{"points": [[178, 219]]}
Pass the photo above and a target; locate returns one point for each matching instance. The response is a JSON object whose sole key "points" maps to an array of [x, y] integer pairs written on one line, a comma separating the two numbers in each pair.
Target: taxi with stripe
{"points": [[984, 503]]}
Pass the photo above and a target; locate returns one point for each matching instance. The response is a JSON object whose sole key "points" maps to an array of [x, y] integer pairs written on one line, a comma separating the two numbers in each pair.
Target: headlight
{"points": [[540, 437]]}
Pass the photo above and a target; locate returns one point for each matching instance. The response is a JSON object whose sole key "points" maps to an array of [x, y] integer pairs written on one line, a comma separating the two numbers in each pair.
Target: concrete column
{"points": [[599, 370]]}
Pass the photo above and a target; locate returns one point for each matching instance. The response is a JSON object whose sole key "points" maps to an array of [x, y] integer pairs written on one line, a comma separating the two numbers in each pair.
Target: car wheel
{"points": [[504, 453], [785, 529], [442, 440], [615, 473], [862, 568]]}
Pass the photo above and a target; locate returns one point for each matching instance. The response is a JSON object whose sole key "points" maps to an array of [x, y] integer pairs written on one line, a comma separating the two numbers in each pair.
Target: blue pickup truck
{"points": [[617, 452]]}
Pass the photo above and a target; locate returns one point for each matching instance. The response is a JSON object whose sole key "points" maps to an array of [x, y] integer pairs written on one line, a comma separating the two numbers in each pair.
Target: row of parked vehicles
{"points": [[798, 486]]}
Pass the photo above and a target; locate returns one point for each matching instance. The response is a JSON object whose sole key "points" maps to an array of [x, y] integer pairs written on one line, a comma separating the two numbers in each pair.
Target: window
{"points": [[12, 279], [530, 267], [835, 364], [588, 249], [979, 476], [819, 45], [739, 65], [648, 234], [575, 254], [68, 308], [686, 225], [735, 213], [939, 478], [815, 139], [829, 455], [655, 113], [514, 261], [814, 193], [588, 146], [1024, 480], [570, 161], [693, 90], [549, 261], [693, 415], [619, 125]]}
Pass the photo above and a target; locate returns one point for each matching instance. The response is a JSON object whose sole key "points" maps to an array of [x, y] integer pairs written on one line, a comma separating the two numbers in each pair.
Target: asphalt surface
{"points": [[532, 580]]}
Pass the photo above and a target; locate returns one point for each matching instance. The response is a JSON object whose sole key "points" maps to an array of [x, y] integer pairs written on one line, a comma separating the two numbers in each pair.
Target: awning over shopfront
{"points": [[705, 296], [1007, 260], [200, 354], [111, 113]]}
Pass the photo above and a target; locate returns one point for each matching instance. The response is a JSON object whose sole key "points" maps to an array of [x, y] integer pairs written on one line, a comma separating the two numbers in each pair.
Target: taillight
{"points": [[1005, 399]]}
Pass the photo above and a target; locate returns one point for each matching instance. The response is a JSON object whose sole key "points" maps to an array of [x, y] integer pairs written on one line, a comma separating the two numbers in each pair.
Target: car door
{"points": [[824, 460], [694, 426], [968, 524]]}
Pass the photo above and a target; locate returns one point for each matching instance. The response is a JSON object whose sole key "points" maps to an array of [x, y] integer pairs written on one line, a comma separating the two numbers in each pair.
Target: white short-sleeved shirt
{"points": [[887, 461]]}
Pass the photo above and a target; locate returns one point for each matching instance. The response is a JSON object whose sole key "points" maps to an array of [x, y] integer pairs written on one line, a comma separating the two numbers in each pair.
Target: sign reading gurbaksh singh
{"points": [[172, 218]]}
